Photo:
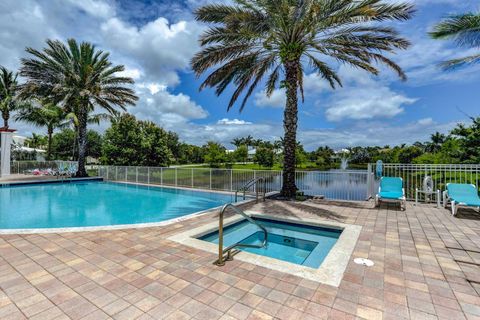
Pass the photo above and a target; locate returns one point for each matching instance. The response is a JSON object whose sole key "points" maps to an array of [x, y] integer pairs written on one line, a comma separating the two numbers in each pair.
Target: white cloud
{"points": [[361, 97], [160, 48], [370, 133], [133, 73], [232, 121], [359, 103], [96, 8], [425, 122], [168, 110], [276, 100], [22, 24]]}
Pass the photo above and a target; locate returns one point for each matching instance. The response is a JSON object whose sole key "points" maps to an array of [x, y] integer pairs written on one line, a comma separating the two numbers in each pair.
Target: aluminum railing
{"points": [[248, 185], [228, 250], [413, 175], [21, 167], [338, 185]]}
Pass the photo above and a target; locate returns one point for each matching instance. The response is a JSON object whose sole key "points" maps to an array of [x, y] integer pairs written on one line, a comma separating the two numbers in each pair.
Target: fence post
{"points": [[231, 179], [136, 174], [210, 179], [369, 181], [161, 176], [148, 175], [116, 173], [192, 177], [126, 174], [176, 176]]}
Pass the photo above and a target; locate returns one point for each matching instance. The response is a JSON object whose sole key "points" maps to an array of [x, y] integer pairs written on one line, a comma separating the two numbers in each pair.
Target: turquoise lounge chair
{"points": [[391, 190], [465, 195]]}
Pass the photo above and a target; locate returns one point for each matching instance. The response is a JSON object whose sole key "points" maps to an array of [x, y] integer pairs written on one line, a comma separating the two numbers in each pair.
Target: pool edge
{"points": [[331, 270], [123, 226]]}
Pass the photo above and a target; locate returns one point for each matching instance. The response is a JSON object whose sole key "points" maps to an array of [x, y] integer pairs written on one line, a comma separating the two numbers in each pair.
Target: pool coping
{"points": [[6, 184], [127, 226], [331, 270]]}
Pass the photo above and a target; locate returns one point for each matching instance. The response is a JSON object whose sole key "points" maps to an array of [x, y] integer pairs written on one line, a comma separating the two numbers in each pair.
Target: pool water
{"points": [[300, 244], [86, 204]]}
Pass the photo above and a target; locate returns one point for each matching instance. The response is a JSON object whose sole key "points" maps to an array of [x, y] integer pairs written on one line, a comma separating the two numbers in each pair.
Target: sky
{"points": [[156, 39]]}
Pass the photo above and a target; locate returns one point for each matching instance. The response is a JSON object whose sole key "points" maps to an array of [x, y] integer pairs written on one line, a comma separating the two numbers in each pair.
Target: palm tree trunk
{"points": [[5, 116], [82, 145], [49, 146], [290, 120]]}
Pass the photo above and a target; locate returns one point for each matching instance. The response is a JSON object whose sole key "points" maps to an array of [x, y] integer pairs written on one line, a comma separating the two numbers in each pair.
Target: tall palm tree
{"points": [[464, 30], [237, 142], [8, 94], [79, 78], [279, 39], [43, 114], [436, 141]]}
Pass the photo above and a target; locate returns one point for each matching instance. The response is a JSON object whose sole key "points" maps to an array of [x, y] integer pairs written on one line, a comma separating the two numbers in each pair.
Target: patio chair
{"points": [[72, 169], [391, 190], [62, 169], [458, 194]]}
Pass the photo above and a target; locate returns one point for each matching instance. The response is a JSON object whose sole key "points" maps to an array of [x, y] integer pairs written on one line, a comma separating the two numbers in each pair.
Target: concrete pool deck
{"points": [[424, 259]]}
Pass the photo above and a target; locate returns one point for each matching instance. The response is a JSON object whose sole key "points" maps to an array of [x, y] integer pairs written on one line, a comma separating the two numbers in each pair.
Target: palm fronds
{"points": [[252, 39], [464, 30]]}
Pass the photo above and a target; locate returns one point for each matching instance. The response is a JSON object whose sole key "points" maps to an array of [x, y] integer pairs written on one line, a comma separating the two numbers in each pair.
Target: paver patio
{"points": [[138, 274]]}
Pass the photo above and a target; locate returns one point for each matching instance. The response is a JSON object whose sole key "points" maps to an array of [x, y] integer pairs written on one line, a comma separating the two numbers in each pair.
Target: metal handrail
{"points": [[250, 183], [221, 252]]}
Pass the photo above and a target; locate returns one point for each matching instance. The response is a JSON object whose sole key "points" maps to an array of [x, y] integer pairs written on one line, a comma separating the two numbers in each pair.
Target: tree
{"points": [[253, 38], [469, 140], [63, 143], [36, 141], [436, 141], [323, 157], [407, 154], [241, 153], [264, 157], [464, 30], [237, 142], [79, 78], [214, 154], [131, 142], [43, 114], [190, 153], [9, 101]]}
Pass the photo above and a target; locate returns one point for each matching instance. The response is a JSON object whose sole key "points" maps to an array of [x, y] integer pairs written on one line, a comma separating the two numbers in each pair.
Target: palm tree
{"points": [[8, 94], [436, 141], [43, 114], [464, 30], [237, 142], [79, 78], [281, 38]]}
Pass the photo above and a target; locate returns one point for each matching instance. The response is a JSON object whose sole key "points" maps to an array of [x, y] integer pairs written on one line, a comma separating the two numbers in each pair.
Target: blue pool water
{"points": [[299, 244], [84, 204]]}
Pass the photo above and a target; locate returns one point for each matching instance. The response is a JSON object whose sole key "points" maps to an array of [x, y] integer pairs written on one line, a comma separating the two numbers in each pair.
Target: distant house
{"points": [[251, 152], [21, 152]]}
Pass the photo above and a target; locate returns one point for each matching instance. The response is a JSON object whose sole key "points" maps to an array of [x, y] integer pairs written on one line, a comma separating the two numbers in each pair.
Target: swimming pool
{"points": [[300, 244], [94, 203]]}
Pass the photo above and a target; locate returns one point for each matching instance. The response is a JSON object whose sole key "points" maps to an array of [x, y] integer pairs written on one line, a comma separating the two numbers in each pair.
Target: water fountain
{"points": [[344, 163]]}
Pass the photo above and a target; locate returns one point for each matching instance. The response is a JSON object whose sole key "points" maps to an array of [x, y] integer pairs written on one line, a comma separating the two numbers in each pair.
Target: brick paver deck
{"points": [[138, 274]]}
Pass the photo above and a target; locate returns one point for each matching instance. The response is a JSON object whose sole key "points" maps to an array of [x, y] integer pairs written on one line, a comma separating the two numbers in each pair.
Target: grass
{"points": [[276, 166]]}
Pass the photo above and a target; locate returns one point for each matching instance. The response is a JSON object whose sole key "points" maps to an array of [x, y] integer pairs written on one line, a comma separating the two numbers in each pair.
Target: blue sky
{"points": [[155, 40]]}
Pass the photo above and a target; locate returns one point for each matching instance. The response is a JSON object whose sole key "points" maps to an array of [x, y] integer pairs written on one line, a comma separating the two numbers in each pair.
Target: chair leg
{"points": [[454, 208]]}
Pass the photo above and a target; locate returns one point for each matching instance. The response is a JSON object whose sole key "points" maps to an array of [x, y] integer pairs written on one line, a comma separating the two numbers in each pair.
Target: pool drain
{"points": [[364, 262]]}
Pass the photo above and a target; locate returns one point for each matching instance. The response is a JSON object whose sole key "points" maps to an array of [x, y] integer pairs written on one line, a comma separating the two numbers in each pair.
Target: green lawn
{"points": [[254, 166]]}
